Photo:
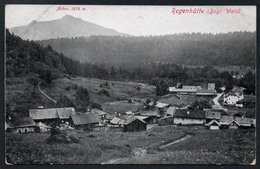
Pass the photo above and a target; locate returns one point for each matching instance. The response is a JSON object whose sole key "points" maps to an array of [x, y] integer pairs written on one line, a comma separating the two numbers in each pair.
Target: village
{"points": [[221, 114]]}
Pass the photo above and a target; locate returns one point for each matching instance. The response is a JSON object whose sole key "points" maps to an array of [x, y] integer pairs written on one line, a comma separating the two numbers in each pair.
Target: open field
{"points": [[160, 145]]}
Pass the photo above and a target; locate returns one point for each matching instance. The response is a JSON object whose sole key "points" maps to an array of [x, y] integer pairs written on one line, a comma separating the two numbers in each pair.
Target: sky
{"points": [[142, 20]]}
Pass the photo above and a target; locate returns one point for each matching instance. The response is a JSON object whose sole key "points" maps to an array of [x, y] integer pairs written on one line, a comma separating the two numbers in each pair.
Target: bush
{"points": [[104, 92]]}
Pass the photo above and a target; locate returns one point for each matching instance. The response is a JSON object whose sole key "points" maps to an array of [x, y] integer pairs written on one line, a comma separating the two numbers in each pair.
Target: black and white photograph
{"points": [[130, 84]]}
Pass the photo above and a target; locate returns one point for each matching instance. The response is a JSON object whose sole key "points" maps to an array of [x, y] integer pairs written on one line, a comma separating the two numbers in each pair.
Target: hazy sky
{"points": [[141, 20]]}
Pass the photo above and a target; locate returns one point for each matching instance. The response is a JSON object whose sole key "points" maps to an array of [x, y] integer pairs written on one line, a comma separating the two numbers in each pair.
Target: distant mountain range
{"points": [[66, 27]]}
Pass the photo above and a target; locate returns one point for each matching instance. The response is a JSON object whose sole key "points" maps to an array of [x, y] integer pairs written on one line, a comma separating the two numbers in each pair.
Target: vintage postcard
{"points": [[128, 84]]}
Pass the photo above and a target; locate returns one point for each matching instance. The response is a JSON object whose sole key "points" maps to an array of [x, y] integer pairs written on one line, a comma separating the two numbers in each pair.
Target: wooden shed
{"points": [[134, 124], [189, 117], [85, 121]]}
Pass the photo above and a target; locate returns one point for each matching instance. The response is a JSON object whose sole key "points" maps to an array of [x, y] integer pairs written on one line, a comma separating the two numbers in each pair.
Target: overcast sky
{"points": [[141, 20]]}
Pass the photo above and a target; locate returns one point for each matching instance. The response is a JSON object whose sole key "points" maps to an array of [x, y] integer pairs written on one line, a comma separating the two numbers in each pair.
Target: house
{"points": [[23, 125], [52, 115], [211, 86], [245, 122], [213, 125], [85, 121], [236, 113], [228, 122], [232, 98], [182, 91], [165, 121], [47, 116], [117, 121], [212, 115], [151, 115], [134, 124], [206, 92], [189, 117], [65, 113], [191, 87], [102, 114]]}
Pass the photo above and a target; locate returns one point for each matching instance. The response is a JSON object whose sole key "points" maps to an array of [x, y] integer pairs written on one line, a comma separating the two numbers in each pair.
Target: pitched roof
{"points": [[211, 114], [142, 117], [65, 113], [52, 113], [226, 120], [117, 120], [85, 119], [129, 112], [206, 91], [244, 121], [150, 113], [99, 112], [212, 122], [132, 119], [22, 122], [40, 114], [161, 105], [171, 111], [194, 114]]}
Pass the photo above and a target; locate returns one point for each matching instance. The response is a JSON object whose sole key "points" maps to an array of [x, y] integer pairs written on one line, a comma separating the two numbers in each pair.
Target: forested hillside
{"points": [[237, 48]]}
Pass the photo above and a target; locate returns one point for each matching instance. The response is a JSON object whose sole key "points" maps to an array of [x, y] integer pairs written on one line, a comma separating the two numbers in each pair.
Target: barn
{"points": [[134, 124], [84, 121], [52, 115], [212, 115], [23, 125], [213, 125], [152, 116], [189, 117], [228, 122]]}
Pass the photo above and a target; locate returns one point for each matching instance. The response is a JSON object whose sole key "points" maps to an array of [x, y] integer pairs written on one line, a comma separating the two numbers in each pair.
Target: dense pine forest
{"points": [[236, 48], [23, 57]]}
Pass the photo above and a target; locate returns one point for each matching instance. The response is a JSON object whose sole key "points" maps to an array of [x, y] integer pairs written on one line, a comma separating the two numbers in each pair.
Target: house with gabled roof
{"points": [[228, 122], [152, 116], [85, 121], [134, 124], [213, 125], [245, 122], [52, 115], [22, 125], [189, 117]]}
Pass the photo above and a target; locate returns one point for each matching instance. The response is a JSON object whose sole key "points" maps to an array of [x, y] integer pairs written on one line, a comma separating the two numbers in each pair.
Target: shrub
{"points": [[104, 92]]}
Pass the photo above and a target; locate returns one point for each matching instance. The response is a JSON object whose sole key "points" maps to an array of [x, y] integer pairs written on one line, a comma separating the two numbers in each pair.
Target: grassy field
{"points": [[202, 147]]}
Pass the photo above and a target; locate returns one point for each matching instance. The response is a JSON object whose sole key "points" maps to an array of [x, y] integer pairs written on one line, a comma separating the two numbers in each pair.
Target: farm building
{"points": [[228, 122], [134, 124], [206, 92], [101, 113], [23, 125], [117, 121], [213, 125], [151, 115], [192, 87], [85, 121], [52, 115], [165, 121], [245, 122], [237, 113], [188, 117], [182, 91], [212, 115]]}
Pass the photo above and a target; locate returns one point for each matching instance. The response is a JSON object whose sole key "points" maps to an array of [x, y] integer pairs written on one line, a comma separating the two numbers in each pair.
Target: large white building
{"points": [[233, 98]]}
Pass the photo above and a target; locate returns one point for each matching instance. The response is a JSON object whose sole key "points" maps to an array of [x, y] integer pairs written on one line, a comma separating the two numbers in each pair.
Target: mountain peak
{"points": [[69, 17]]}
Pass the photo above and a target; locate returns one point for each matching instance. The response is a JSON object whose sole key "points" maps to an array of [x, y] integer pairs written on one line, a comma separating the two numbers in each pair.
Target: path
{"points": [[46, 94], [176, 141], [217, 105], [140, 153]]}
